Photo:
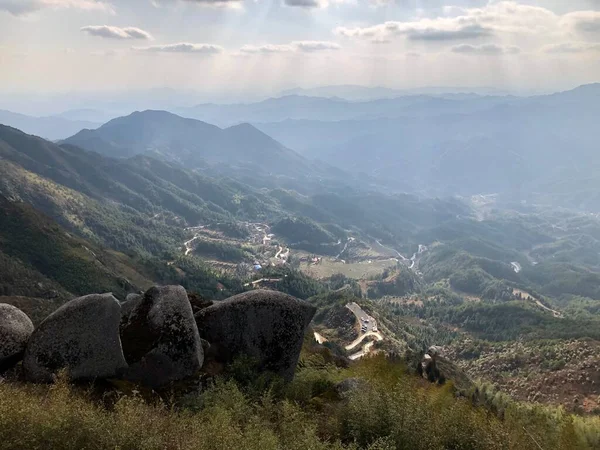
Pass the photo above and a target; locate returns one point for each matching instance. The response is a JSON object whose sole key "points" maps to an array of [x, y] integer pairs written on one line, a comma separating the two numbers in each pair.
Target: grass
{"points": [[391, 410]]}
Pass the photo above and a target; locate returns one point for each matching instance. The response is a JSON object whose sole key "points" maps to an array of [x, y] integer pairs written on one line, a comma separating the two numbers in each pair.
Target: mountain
{"points": [[143, 203], [538, 149], [191, 143], [49, 127], [95, 116], [299, 107], [363, 93]]}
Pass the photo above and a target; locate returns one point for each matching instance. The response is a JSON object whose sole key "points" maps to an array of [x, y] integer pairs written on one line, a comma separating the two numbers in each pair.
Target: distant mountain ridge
{"points": [[363, 93], [533, 149], [48, 127], [190, 142], [300, 107]]}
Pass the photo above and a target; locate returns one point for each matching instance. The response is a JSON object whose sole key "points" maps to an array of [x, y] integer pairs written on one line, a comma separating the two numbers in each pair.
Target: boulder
{"points": [[133, 297], [82, 336], [131, 301], [15, 330], [160, 338], [266, 326]]}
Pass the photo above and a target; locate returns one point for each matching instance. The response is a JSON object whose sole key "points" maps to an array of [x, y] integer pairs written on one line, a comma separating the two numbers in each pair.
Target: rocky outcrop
{"points": [[266, 326], [82, 337], [15, 330], [160, 337]]}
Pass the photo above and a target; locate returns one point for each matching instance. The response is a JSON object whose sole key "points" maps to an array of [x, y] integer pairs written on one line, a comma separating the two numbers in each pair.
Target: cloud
{"points": [[106, 31], [312, 4], [487, 49], [293, 47], [267, 49], [425, 30], [303, 3], [206, 3], [463, 32], [23, 7], [571, 48], [457, 23], [314, 46], [583, 22], [182, 47]]}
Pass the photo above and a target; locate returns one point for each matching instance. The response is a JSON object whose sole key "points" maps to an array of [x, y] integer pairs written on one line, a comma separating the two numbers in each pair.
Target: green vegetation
{"points": [[293, 282], [501, 321], [399, 282], [221, 251], [388, 409], [75, 265]]}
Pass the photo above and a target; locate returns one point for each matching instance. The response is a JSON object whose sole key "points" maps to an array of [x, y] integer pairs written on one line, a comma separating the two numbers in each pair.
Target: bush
{"points": [[391, 409]]}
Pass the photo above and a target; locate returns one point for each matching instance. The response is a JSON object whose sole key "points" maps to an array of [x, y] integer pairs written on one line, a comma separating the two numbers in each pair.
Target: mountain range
{"points": [[127, 216], [192, 143], [453, 144]]}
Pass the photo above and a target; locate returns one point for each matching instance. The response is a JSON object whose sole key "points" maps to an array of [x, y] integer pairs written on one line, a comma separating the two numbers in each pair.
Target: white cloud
{"points": [[109, 32], [424, 30], [267, 49], [584, 23], [486, 49], [22, 7], [206, 3], [312, 4], [182, 47], [314, 46], [304, 3], [571, 47], [506, 17], [296, 46]]}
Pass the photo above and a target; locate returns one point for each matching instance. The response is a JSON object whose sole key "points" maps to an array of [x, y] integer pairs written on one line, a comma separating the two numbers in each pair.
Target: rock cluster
{"points": [[154, 338]]}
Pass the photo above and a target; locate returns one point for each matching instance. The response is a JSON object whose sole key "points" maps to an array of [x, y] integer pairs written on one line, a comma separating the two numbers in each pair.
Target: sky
{"points": [[265, 46]]}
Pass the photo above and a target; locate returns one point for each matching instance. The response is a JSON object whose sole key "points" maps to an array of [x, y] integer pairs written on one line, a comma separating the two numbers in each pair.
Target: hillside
{"points": [[41, 259], [190, 142]]}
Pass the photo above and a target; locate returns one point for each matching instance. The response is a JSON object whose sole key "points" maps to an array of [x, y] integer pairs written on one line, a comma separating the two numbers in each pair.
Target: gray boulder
{"points": [[131, 301], [15, 330], [82, 336], [267, 326], [160, 338]]}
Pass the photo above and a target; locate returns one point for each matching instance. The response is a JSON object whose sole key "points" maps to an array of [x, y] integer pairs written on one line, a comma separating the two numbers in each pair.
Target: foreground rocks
{"points": [[267, 326], [160, 337], [154, 339], [15, 330], [82, 337]]}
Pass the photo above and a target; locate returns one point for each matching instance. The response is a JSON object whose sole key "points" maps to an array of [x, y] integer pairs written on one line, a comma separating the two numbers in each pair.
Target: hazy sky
{"points": [[268, 45]]}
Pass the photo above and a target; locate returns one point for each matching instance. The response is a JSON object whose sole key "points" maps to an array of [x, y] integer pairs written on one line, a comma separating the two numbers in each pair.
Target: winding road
{"points": [[376, 334], [188, 245], [367, 322]]}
